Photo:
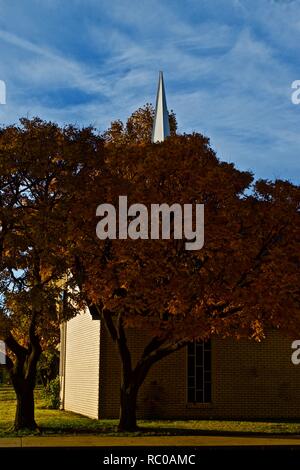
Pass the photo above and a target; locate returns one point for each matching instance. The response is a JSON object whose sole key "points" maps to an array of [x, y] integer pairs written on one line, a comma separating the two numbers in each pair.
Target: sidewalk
{"points": [[98, 441]]}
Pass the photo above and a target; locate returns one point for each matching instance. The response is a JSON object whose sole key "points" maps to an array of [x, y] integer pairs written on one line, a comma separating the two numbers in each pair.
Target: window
{"points": [[199, 372]]}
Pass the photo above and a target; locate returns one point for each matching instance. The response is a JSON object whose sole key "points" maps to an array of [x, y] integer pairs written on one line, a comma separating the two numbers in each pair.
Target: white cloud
{"points": [[47, 66]]}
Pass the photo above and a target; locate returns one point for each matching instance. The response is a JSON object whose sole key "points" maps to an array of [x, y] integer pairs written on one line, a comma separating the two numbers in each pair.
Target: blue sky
{"points": [[228, 67]]}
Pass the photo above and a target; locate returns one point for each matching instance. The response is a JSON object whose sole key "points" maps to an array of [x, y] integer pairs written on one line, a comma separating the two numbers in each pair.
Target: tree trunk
{"points": [[128, 400], [133, 378], [23, 372], [23, 377], [24, 418]]}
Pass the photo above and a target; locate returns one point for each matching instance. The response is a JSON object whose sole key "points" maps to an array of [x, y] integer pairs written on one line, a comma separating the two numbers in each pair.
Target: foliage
{"points": [[48, 365], [51, 394], [239, 284], [4, 376], [138, 127]]}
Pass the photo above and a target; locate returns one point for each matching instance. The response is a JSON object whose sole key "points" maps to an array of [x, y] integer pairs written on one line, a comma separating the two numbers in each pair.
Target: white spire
{"points": [[161, 126]]}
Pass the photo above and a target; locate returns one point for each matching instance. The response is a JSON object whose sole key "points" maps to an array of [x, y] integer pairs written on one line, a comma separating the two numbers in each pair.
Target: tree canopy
{"points": [[239, 283]]}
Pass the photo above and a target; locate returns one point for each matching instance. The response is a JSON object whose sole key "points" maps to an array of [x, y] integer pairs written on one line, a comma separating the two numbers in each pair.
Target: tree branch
{"points": [[95, 311], [108, 321], [153, 344], [145, 363], [123, 349], [15, 347]]}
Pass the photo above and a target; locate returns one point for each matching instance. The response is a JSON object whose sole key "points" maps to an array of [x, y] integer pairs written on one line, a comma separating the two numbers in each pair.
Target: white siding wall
{"points": [[82, 368]]}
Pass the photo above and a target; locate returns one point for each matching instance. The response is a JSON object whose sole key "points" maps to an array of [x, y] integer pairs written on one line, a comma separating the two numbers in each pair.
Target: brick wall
{"points": [[249, 381]]}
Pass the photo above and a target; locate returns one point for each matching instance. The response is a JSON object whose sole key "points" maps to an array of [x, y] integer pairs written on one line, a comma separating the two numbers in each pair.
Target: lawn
{"points": [[53, 422]]}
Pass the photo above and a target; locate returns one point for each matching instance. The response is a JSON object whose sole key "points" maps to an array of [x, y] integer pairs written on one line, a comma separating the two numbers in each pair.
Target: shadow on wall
{"points": [[153, 400]]}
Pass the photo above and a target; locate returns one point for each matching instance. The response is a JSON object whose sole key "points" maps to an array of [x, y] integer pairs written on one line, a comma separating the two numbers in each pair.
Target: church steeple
{"points": [[161, 126]]}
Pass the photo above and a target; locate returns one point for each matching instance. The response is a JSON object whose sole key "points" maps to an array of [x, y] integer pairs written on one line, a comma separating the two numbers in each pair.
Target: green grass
{"points": [[53, 422]]}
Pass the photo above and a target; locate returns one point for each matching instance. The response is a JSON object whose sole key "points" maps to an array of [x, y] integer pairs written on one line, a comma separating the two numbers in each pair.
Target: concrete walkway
{"points": [[98, 441]]}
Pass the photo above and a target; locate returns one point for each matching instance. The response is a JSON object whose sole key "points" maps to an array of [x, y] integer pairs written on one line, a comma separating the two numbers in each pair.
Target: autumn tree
{"points": [[33, 274], [138, 127], [243, 281]]}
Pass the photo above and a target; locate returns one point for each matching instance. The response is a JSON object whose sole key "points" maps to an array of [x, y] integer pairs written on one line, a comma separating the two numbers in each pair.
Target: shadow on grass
{"points": [[111, 430], [144, 432], [212, 432]]}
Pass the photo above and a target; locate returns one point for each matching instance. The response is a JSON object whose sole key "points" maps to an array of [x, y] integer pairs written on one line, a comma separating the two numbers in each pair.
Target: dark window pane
{"points": [[191, 395], [207, 392], [207, 357], [199, 372], [191, 382], [199, 381], [199, 357], [207, 375], [191, 367]]}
